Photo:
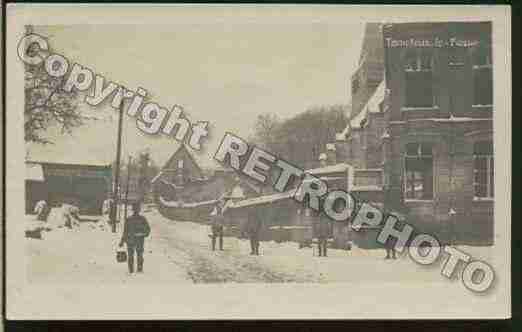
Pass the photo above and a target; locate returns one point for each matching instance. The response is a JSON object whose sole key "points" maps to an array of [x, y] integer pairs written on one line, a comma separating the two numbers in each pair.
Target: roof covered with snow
{"points": [[342, 135], [179, 204], [372, 106], [341, 167], [377, 98], [34, 172], [72, 162], [261, 199], [237, 192]]}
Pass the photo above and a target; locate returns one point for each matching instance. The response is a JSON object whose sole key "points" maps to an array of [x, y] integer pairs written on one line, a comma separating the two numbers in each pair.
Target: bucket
{"points": [[121, 256]]}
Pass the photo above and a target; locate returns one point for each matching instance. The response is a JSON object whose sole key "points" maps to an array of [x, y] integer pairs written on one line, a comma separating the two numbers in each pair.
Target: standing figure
{"points": [[71, 215], [322, 230], [135, 230], [107, 206], [42, 210], [217, 226], [390, 249], [107, 209], [254, 224], [391, 206]]}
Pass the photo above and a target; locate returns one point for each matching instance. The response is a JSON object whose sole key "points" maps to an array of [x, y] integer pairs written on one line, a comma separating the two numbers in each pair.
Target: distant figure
{"points": [[254, 224], [107, 205], [42, 210], [71, 215], [135, 231], [390, 249], [322, 231], [390, 206], [217, 226]]}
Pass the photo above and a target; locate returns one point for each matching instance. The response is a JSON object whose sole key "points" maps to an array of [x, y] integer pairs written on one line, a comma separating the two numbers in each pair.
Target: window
{"points": [[482, 57], [482, 77], [419, 78], [180, 164], [483, 169], [418, 180]]}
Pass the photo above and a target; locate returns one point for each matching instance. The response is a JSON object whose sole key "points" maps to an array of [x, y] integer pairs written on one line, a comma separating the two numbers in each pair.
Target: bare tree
{"points": [[303, 137], [46, 103], [265, 127]]}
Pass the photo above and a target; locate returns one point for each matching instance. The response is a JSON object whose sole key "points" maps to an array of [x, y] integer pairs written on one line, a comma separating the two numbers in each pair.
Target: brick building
{"points": [[439, 154], [420, 136], [360, 144]]}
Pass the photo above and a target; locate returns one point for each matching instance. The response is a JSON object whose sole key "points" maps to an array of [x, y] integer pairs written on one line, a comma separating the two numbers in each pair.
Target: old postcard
{"points": [[248, 161]]}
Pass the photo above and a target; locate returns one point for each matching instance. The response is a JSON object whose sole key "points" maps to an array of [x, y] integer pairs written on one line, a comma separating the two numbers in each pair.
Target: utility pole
{"points": [[127, 189], [117, 173], [142, 182]]}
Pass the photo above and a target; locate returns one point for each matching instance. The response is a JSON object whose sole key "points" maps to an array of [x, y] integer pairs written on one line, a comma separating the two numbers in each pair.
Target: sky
{"points": [[224, 73]]}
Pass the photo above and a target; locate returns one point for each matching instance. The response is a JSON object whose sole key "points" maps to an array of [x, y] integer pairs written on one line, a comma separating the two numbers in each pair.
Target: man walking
{"points": [[135, 231], [254, 225]]}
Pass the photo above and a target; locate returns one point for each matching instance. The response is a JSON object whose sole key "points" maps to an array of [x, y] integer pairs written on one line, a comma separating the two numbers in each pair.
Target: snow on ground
{"points": [[88, 254], [285, 262], [180, 252]]}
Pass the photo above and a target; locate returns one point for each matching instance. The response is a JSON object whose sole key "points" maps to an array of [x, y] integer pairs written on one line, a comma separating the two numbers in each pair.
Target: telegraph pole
{"points": [[127, 189], [117, 173], [142, 184]]}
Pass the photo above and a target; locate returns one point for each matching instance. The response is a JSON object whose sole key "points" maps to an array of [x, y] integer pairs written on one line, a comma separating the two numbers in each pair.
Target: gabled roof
{"points": [[169, 161], [237, 192], [178, 150]]}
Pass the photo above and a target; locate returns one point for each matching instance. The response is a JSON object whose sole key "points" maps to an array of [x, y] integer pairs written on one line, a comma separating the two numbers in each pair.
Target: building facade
{"points": [[438, 157], [422, 141], [83, 185]]}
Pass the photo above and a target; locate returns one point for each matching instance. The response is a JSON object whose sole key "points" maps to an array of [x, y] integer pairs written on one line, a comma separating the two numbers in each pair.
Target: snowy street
{"points": [[180, 252]]}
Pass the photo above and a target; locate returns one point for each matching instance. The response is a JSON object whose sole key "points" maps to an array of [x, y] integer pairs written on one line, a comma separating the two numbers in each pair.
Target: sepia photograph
{"points": [[248, 161]]}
